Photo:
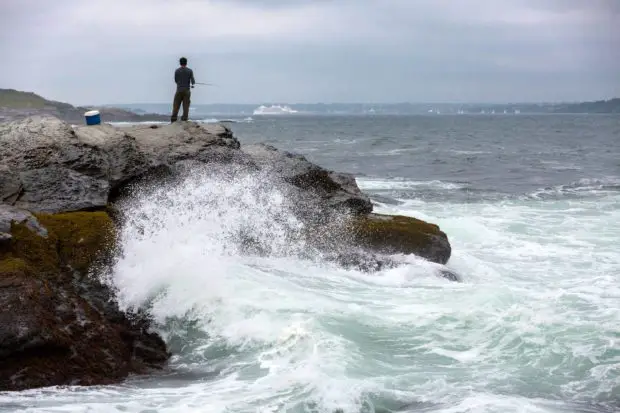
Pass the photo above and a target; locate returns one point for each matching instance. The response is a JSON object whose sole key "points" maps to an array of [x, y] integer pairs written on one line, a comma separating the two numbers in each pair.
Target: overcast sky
{"points": [[125, 51]]}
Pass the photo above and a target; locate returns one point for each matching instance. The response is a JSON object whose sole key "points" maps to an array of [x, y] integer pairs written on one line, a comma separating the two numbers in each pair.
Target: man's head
{"points": [[183, 61]]}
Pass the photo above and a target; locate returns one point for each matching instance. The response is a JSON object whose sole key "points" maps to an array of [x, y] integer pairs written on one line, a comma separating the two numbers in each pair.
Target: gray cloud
{"points": [[300, 51]]}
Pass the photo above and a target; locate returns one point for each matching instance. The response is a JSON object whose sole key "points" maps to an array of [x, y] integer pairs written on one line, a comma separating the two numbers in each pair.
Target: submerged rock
{"points": [[450, 275], [59, 325], [364, 261]]}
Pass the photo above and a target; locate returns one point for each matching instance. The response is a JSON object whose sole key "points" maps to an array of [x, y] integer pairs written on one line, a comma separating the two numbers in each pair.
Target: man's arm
{"points": [[176, 76], [192, 77]]}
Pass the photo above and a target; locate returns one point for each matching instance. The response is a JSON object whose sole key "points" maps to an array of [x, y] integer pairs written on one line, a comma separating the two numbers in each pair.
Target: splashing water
{"points": [[265, 323], [533, 328]]}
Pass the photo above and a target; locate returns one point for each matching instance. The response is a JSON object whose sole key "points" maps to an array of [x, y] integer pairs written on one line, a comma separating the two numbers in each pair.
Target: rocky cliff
{"points": [[62, 191], [16, 105]]}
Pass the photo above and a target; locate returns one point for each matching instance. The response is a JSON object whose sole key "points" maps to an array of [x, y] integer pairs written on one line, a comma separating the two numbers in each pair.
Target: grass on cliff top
{"points": [[15, 99]]}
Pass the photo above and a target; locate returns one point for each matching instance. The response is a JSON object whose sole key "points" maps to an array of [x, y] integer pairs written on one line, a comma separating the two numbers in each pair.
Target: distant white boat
{"points": [[274, 110]]}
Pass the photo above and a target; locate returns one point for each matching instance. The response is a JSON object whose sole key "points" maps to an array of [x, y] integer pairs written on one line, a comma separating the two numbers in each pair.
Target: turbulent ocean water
{"points": [[531, 205]]}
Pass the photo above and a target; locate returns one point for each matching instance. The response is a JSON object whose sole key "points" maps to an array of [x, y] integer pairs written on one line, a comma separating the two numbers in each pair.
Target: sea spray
{"points": [[206, 214], [221, 261], [184, 254]]}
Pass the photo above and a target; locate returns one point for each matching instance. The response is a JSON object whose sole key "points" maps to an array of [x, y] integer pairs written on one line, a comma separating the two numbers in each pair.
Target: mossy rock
{"points": [[394, 234], [13, 267], [74, 241], [60, 324], [82, 237]]}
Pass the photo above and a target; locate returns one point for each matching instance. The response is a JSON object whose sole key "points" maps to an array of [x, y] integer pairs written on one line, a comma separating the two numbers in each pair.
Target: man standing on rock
{"points": [[183, 76]]}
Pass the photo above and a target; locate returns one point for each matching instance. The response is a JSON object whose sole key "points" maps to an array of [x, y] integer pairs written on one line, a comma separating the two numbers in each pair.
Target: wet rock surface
{"points": [[60, 187], [60, 325]]}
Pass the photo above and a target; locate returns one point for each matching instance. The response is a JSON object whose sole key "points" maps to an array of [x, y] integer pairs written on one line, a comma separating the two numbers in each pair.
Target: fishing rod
{"points": [[205, 84]]}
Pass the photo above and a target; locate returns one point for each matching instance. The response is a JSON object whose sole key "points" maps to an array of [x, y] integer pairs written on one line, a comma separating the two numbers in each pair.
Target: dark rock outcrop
{"points": [[335, 190], [399, 234], [52, 167], [59, 325], [49, 166], [58, 187]]}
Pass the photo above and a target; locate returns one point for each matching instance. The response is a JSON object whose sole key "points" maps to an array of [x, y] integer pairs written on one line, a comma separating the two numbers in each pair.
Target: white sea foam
{"points": [[585, 186], [371, 184], [532, 329]]}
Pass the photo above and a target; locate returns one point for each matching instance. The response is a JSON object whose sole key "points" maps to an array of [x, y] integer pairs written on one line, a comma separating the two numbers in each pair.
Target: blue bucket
{"points": [[92, 117]]}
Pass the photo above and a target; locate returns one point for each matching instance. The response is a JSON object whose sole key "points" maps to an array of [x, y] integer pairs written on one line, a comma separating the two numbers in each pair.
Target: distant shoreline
{"points": [[243, 109], [16, 105]]}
